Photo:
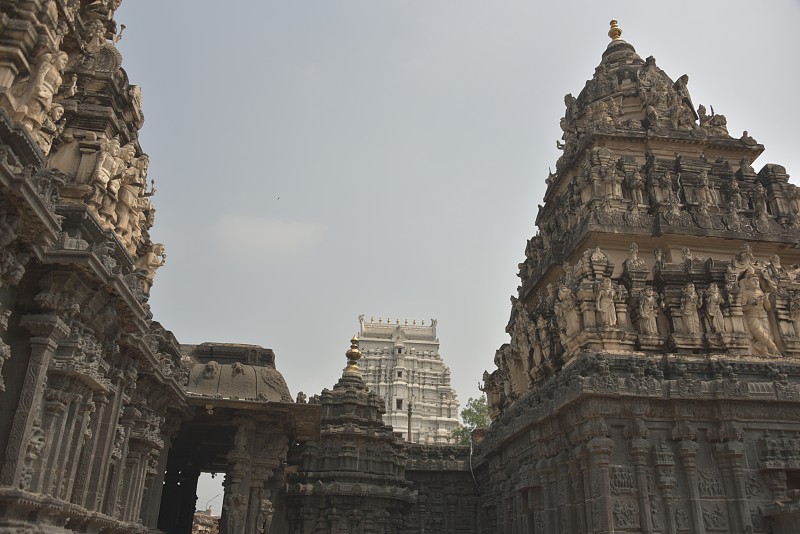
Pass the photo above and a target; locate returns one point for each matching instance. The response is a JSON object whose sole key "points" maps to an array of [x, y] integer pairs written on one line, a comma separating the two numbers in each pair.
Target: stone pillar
{"points": [[80, 438], [151, 506], [639, 451], [731, 456], [600, 456], [112, 498], [687, 451], [90, 450], [56, 401], [576, 473], [665, 470], [47, 330]]}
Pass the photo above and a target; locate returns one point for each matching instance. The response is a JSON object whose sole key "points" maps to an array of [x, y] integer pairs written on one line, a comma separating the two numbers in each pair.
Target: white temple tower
{"points": [[401, 363]]}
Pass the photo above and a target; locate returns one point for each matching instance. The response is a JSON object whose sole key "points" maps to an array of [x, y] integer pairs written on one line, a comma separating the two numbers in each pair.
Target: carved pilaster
{"points": [[47, 330], [600, 454]]}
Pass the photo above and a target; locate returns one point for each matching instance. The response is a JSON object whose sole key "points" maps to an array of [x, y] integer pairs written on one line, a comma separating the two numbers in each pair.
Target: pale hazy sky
{"points": [[316, 160]]}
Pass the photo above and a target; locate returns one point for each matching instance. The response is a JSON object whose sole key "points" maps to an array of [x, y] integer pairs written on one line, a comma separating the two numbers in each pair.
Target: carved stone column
{"points": [[600, 455], [731, 456], [665, 471], [47, 330], [639, 453], [90, 450], [687, 451]]}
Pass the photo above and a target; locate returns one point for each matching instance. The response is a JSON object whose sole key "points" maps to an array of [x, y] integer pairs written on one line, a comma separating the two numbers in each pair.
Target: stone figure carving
{"points": [[635, 184], [301, 398], [634, 262], [35, 93], [235, 508], [265, 513], [33, 452], [755, 306], [569, 322], [714, 518], [605, 303], [689, 306], [759, 199], [106, 167], [542, 345], [210, 370], [705, 196], [648, 312], [712, 300], [131, 188], [154, 258]]}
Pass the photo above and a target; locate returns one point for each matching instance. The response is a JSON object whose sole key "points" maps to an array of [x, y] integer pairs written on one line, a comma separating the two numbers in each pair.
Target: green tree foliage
{"points": [[475, 415]]}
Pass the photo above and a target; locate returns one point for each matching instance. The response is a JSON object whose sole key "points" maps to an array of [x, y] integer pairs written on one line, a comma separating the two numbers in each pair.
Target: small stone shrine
{"points": [[652, 381], [352, 479]]}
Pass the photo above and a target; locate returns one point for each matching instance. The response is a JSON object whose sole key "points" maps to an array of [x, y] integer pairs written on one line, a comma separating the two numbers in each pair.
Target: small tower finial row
{"points": [[615, 32]]}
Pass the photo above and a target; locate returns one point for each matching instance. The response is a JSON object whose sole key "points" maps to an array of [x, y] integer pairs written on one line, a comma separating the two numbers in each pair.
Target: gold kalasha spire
{"points": [[615, 32], [353, 355]]}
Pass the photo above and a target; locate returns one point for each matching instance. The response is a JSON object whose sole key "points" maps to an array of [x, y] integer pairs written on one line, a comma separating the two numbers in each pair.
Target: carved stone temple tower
{"points": [[106, 421], [402, 364], [353, 478], [652, 381]]}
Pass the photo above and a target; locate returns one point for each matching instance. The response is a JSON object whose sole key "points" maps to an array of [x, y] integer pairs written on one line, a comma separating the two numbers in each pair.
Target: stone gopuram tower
{"points": [[402, 364], [652, 381]]}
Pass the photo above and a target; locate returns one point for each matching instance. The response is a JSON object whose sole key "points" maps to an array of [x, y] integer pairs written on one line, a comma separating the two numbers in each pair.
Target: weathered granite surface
{"points": [[652, 381]]}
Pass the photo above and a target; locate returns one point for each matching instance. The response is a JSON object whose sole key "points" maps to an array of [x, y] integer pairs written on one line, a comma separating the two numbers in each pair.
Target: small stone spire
{"points": [[353, 355], [615, 32]]}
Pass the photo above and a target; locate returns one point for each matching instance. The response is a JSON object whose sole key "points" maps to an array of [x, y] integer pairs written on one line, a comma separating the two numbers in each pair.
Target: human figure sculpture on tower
{"points": [[689, 305], [648, 312], [755, 306], [712, 301], [605, 303]]}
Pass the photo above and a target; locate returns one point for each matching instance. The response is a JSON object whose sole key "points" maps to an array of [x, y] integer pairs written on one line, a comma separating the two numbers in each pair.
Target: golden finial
{"points": [[353, 355], [615, 32]]}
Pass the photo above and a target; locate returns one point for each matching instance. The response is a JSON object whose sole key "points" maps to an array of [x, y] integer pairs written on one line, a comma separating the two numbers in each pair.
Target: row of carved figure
{"points": [[611, 191], [37, 95], [119, 195], [750, 307]]}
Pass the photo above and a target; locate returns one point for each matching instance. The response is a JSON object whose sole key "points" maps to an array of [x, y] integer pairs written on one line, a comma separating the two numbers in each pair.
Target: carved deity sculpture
{"points": [[636, 187], [713, 299], [154, 258], [759, 199], [566, 309], [131, 188], [648, 312], [35, 93], [541, 350], [605, 303], [705, 195], [755, 306], [689, 305], [106, 167]]}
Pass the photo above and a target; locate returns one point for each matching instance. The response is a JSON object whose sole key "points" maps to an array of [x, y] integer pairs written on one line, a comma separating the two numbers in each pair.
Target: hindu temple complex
{"points": [[651, 383]]}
